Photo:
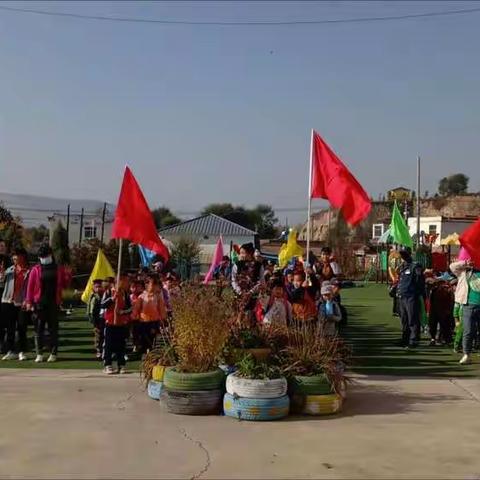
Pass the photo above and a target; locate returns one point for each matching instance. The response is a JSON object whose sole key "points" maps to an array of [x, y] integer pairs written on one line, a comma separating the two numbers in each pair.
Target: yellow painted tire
{"points": [[317, 404], [157, 373]]}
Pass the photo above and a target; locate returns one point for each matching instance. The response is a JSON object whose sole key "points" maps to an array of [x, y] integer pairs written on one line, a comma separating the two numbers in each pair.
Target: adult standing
{"points": [[411, 288], [467, 294], [46, 282], [248, 277], [4, 264], [13, 305]]}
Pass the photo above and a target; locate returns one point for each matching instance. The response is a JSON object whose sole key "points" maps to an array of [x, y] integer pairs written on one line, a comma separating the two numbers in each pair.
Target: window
{"points": [[89, 231], [432, 229], [378, 230]]}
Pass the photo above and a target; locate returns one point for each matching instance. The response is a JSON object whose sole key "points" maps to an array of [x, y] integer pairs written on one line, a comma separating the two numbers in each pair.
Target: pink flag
{"points": [[216, 260], [463, 254]]}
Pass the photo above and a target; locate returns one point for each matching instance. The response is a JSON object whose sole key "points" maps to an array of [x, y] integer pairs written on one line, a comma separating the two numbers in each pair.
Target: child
{"points": [[117, 305], [303, 298], [95, 317], [336, 286], [136, 289], [278, 311], [289, 282], [329, 314], [151, 311]]}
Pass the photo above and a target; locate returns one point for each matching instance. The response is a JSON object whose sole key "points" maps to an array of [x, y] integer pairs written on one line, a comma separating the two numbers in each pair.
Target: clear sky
{"points": [[212, 113]]}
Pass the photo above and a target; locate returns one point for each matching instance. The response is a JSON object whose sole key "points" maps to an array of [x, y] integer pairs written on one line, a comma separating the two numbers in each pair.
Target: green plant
{"points": [[163, 355], [248, 367], [310, 353], [201, 327], [61, 250]]}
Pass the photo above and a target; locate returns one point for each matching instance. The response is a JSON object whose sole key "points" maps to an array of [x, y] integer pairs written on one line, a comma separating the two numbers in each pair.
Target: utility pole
{"points": [[68, 225], [418, 201], [103, 222], [81, 228]]}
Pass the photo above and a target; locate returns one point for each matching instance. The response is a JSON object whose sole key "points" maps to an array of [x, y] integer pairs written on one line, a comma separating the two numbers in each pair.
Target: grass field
{"points": [[372, 332]]}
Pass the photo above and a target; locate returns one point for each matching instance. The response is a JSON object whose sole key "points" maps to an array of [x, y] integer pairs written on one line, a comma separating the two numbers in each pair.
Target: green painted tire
{"points": [[188, 382], [315, 385]]}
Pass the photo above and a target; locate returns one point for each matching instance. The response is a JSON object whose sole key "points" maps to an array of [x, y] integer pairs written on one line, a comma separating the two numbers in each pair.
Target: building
{"points": [[439, 227], [400, 194], [206, 229], [91, 228]]}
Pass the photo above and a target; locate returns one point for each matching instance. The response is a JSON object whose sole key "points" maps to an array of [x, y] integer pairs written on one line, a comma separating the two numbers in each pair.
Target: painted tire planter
{"points": [[256, 409], [158, 373], [205, 402], [178, 381], [248, 388], [154, 389], [317, 404], [315, 385]]}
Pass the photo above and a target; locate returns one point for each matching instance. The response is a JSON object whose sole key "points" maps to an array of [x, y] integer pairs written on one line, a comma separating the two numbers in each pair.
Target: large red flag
{"points": [[133, 219], [332, 181], [470, 240]]}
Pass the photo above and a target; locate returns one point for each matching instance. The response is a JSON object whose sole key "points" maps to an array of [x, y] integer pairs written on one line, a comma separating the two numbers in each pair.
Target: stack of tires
{"points": [[155, 385], [194, 393], [314, 396], [248, 399]]}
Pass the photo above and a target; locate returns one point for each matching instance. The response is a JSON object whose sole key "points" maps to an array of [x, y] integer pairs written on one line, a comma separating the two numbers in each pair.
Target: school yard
{"points": [[408, 415]]}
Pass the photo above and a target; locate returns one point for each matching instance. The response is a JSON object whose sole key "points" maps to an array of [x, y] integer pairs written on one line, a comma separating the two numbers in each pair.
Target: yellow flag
{"points": [[101, 270], [290, 249]]}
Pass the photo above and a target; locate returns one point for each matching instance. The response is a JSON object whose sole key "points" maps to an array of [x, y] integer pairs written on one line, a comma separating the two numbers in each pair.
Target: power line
{"points": [[79, 16]]}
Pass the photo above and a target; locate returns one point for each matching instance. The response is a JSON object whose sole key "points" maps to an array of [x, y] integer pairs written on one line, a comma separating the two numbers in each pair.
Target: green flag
{"points": [[399, 229]]}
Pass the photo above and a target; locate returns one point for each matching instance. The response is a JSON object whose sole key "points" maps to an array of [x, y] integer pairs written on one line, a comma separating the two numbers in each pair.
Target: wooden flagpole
{"points": [[309, 220]]}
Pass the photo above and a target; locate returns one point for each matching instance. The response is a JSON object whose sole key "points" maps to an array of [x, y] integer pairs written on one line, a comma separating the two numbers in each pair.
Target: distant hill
{"points": [[35, 210]]}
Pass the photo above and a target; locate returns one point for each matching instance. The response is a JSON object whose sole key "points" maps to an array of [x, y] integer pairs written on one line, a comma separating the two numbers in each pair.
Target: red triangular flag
{"points": [[470, 240], [332, 181], [133, 219]]}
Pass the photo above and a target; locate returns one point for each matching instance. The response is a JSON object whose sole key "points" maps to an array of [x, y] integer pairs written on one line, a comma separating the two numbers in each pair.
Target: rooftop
{"points": [[209, 224]]}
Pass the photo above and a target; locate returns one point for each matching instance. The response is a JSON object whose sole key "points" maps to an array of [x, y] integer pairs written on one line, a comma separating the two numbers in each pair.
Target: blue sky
{"points": [[206, 114]]}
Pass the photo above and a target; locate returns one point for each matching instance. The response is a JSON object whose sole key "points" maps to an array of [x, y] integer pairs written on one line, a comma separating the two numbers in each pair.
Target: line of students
{"points": [[135, 309]]}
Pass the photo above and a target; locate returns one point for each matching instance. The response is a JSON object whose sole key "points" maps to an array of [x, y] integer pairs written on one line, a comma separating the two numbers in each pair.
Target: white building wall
{"points": [[90, 225]]}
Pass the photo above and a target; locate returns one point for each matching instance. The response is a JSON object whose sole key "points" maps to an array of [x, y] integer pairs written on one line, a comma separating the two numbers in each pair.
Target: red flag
{"points": [[133, 219], [332, 181], [470, 240]]}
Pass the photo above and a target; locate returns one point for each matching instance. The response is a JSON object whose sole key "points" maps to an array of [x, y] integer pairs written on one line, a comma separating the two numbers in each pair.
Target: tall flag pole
{"points": [[309, 218]]}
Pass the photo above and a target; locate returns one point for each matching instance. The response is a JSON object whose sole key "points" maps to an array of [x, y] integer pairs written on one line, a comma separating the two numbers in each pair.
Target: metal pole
{"points": [[81, 228], [418, 201], [309, 220], [103, 222], [68, 225], [119, 268]]}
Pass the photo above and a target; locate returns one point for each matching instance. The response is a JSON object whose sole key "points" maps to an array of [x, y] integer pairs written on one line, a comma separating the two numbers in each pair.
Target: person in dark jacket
{"points": [[4, 264], [411, 288], [95, 316]]}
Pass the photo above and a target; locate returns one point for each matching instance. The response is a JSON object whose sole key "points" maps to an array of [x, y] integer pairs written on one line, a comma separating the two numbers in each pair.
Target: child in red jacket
{"points": [[117, 305]]}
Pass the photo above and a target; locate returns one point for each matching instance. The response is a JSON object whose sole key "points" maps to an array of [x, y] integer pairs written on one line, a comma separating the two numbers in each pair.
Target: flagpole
{"points": [[309, 199], [119, 267]]}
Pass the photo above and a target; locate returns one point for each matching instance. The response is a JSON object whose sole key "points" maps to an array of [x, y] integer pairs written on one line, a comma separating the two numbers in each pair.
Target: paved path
{"points": [[81, 424]]}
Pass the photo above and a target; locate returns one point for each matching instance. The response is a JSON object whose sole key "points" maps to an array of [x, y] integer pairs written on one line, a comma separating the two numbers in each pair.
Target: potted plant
{"points": [[315, 365], [200, 330], [256, 391]]}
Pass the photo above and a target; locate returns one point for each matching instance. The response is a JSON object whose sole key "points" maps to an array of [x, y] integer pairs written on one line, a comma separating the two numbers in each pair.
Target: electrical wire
{"points": [[79, 16]]}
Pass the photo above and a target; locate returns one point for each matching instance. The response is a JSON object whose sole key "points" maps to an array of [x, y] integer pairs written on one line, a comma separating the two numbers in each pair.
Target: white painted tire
{"points": [[247, 388]]}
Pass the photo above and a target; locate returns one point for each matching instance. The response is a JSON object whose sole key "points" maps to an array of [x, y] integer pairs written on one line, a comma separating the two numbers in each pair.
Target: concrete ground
{"points": [[79, 424]]}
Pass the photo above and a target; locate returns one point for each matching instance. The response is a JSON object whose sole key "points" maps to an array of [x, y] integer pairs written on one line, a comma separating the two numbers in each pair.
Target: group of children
{"points": [[136, 309]]}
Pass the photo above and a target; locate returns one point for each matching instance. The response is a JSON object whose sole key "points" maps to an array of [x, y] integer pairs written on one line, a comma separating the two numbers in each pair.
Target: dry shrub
{"points": [[309, 353], [201, 327]]}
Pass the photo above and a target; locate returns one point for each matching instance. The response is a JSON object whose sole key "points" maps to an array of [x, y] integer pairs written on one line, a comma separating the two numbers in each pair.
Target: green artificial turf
{"points": [[372, 331]]}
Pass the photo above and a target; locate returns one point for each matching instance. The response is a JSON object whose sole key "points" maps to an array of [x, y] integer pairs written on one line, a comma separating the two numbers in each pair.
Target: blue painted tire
{"points": [[256, 409], [154, 389]]}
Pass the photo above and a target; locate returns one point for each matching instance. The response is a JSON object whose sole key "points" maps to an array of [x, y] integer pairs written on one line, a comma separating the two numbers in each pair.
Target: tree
{"points": [[265, 221], [260, 219], [186, 251], [60, 247], [456, 184], [163, 217]]}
